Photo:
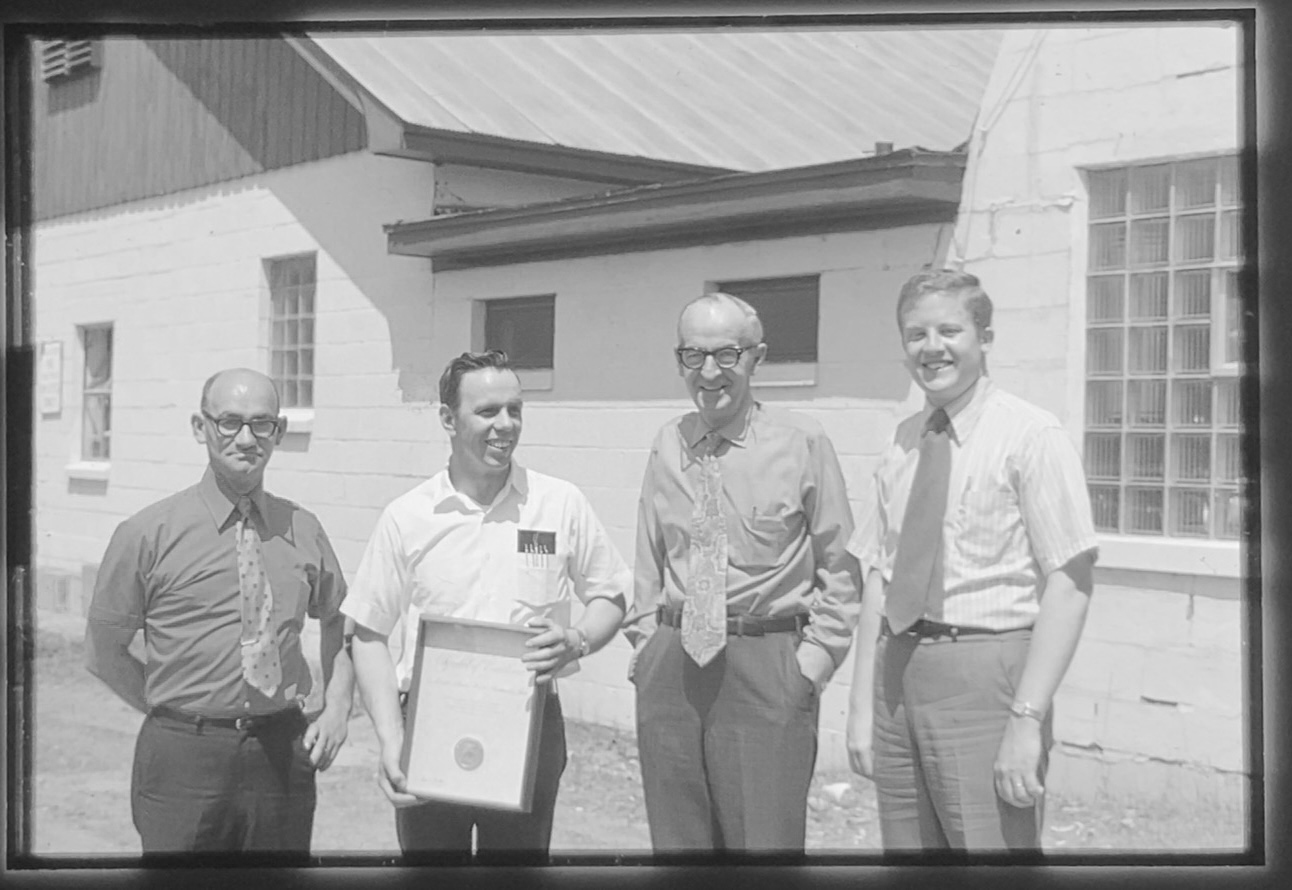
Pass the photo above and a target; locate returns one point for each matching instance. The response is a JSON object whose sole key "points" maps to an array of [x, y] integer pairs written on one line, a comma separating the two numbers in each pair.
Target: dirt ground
{"points": [[84, 741]]}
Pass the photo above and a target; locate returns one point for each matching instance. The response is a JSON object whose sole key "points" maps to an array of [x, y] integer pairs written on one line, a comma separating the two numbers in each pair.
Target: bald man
{"points": [[744, 599], [220, 578]]}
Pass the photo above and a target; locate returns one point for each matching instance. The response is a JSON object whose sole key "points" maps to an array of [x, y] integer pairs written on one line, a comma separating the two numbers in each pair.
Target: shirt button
{"points": [[247, 705]]}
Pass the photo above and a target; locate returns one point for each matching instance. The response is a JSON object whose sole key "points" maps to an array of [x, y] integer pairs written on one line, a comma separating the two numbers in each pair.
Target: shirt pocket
{"points": [[984, 526], [537, 583], [757, 539]]}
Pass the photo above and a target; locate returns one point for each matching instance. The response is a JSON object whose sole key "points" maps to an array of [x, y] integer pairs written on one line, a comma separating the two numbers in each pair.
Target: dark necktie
{"points": [[704, 611], [917, 568], [260, 666]]}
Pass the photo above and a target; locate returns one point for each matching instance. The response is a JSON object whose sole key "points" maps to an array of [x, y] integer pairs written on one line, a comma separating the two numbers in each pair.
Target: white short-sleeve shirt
{"points": [[528, 554]]}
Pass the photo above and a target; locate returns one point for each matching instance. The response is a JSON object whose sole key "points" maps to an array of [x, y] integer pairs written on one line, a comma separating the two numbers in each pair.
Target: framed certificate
{"points": [[474, 714]]}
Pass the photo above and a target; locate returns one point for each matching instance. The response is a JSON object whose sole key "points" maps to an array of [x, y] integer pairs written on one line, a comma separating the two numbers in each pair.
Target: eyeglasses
{"points": [[726, 357], [261, 427]]}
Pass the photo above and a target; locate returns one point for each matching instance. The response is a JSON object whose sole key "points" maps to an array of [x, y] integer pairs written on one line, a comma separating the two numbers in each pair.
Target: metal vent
{"points": [[63, 59]]}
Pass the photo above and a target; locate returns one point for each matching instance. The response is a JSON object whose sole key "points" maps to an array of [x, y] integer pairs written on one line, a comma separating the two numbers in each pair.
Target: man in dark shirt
{"points": [[220, 578]]}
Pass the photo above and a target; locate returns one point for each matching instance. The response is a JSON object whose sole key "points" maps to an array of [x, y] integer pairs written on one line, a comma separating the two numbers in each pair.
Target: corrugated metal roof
{"points": [[742, 100]]}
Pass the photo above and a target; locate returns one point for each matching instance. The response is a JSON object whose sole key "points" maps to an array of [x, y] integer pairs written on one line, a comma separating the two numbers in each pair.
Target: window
{"points": [[524, 328], [65, 59], [1163, 349], [788, 308], [96, 393], [291, 351]]}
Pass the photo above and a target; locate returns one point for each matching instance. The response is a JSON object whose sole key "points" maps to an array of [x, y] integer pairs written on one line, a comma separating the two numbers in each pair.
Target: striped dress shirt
{"points": [[1017, 508]]}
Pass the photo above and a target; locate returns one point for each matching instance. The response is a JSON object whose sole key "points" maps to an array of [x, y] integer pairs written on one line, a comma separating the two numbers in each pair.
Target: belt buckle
{"points": [[747, 629]]}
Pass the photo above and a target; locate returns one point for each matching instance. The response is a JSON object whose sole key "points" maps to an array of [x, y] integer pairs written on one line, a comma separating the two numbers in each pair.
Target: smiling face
{"points": [[238, 461], [945, 351], [720, 394], [485, 428]]}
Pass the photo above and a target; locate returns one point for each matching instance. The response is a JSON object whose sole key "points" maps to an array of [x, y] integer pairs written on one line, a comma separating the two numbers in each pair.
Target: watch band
{"points": [[583, 641], [1024, 709]]}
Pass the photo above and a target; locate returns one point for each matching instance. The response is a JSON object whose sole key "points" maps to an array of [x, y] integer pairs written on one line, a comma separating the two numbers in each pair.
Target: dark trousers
{"points": [[941, 707], [727, 750], [439, 832], [213, 789]]}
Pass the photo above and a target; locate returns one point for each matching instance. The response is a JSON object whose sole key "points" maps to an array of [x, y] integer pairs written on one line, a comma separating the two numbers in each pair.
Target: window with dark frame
{"points": [[524, 328], [789, 309], [292, 283], [96, 392], [1163, 349]]}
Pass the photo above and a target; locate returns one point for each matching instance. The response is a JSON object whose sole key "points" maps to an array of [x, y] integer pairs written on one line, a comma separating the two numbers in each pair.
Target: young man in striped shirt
{"points": [[977, 554]]}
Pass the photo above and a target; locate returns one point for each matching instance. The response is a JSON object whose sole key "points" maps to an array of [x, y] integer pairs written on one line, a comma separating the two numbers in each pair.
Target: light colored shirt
{"points": [[788, 524], [172, 571], [1017, 508], [528, 554]]}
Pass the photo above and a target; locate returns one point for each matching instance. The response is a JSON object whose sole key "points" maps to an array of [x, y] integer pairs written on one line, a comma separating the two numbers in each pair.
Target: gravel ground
{"points": [[84, 739]]}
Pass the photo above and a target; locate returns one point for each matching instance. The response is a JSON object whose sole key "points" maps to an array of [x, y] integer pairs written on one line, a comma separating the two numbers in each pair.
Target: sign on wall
{"points": [[49, 377]]}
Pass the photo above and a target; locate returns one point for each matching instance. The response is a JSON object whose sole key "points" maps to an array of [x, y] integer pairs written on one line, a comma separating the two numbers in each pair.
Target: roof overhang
{"points": [[900, 188], [388, 134]]}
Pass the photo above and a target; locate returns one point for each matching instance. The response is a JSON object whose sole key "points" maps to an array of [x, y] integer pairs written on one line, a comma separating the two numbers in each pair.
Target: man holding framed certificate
{"points": [[483, 547]]}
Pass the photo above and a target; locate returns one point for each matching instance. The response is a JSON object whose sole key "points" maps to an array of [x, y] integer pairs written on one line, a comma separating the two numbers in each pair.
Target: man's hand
{"points": [[324, 737], [860, 740], [1018, 763], [549, 651], [390, 778]]}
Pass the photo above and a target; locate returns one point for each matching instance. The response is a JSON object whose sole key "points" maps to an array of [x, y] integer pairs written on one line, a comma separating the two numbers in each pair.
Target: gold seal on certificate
{"points": [[468, 753], [474, 713]]}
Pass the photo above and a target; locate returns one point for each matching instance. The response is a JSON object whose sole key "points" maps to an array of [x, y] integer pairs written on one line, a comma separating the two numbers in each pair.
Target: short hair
{"points": [[947, 281], [451, 379], [753, 324]]}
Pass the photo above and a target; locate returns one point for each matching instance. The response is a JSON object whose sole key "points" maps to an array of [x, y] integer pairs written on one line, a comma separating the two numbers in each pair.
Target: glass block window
{"points": [[1163, 348], [291, 341], [96, 392]]}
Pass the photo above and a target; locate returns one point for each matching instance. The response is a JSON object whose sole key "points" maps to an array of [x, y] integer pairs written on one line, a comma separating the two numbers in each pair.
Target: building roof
{"points": [[740, 100], [897, 188]]}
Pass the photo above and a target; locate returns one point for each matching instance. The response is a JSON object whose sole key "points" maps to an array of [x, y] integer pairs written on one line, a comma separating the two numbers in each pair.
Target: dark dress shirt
{"points": [[171, 569]]}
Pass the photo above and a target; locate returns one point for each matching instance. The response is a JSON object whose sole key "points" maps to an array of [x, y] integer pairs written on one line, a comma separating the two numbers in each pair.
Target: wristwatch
{"points": [[1023, 709], [583, 641]]}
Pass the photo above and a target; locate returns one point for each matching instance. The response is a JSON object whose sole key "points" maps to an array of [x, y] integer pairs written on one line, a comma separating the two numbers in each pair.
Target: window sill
{"points": [[89, 470], [1175, 556], [300, 421], [535, 379], [784, 374]]}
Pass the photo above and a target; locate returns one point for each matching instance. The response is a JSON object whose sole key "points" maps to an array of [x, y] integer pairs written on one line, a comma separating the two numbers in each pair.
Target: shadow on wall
{"points": [[252, 87]]}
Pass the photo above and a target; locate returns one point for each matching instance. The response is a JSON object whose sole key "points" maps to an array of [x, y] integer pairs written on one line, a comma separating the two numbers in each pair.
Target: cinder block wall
{"points": [[1154, 701]]}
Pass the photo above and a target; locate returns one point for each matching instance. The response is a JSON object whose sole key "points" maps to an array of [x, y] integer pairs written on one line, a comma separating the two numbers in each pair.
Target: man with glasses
{"points": [[220, 578], [745, 600]]}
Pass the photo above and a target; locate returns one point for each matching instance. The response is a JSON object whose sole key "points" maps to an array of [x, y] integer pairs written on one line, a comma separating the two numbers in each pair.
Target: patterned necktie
{"points": [[704, 612], [917, 568], [260, 667]]}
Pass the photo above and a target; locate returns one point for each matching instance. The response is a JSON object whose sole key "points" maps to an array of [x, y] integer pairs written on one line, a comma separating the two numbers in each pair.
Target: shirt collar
{"points": [[218, 503], [965, 410], [736, 431], [443, 491]]}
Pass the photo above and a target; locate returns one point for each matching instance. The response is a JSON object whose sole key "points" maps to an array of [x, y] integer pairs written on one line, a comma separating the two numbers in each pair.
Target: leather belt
{"points": [[926, 628], [250, 723], [742, 625]]}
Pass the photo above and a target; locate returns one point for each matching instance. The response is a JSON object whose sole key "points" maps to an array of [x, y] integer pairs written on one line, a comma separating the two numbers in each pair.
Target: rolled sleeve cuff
{"points": [[368, 615]]}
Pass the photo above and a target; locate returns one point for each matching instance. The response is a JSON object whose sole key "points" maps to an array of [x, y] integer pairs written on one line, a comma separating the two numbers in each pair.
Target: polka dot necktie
{"points": [[260, 667], [704, 611], [917, 567]]}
